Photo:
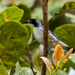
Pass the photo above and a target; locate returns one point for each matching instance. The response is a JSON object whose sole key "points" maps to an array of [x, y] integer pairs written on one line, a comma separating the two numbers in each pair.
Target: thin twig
{"points": [[53, 17], [30, 58]]}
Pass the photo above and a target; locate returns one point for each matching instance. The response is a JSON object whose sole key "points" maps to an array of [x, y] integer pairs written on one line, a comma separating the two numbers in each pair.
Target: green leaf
{"points": [[34, 45], [2, 69], [68, 5], [13, 38], [61, 72], [11, 13], [63, 18], [24, 70], [69, 34], [65, 15], [30, 29], [27, 13], [69, 64]]}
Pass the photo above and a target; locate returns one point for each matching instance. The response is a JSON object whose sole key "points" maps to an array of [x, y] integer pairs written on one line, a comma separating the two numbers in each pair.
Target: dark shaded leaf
{"points": [[27, 13]]}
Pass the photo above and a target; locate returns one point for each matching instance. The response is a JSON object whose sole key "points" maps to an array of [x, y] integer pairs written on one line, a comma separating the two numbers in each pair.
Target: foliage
{"points": [[23, 70], [15, 35], [58, 59], [68, 31], [2, 69]]}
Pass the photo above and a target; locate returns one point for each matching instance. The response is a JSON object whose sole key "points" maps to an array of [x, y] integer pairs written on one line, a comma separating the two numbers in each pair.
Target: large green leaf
{"points": [[27, 13], [67, 34], [24, 70], [11, 13], [2, 69], [67, 6], [13, 38]]}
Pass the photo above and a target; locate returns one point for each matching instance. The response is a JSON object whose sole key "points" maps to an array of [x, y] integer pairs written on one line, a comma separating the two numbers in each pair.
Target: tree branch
{"points": [[46, 27], [53, 17], [30, 58]]}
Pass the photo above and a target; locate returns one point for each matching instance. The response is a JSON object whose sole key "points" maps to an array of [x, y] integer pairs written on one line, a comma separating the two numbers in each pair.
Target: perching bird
{"points": [[53, 40]]}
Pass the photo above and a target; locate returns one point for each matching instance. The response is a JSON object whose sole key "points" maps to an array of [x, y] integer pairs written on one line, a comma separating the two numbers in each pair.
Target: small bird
{"points": [[53, 40]]}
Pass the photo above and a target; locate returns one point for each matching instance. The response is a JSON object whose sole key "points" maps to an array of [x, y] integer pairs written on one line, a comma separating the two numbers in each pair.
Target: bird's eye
{"points": [[30, 21]]}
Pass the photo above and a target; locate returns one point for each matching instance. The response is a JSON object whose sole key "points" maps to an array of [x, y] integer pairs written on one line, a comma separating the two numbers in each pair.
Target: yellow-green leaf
{"points": [[2, 69], [11, 13], [68, 31], [68, 5]]}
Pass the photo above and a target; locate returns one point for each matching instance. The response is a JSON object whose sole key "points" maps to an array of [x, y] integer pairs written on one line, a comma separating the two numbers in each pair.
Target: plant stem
{"points": [[31, 63], [45, 21], [53, 17]]}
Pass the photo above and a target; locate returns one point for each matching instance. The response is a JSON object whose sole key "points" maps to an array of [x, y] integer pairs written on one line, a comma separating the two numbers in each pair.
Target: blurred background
{"points": [[33, 9]]}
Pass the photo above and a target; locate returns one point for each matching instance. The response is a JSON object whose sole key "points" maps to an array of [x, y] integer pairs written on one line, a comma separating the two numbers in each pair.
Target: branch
{"points": [[30, 58], [53, 17], [45, 33]]}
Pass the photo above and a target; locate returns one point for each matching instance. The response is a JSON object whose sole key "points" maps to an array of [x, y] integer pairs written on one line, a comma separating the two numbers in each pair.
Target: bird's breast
{"points": [[38, 34]]}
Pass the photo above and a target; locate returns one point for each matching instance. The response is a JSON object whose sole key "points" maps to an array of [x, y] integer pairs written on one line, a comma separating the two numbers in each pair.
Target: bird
{"points": [[53, 39]]}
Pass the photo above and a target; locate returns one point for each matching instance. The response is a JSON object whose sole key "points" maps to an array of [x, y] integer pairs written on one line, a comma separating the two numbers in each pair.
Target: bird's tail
{"points": [[73, 51]]}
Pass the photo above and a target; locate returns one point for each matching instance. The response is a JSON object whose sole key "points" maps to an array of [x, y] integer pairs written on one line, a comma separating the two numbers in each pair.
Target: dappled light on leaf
{"points": [[68, 5], [13, 38], [11, 13]]}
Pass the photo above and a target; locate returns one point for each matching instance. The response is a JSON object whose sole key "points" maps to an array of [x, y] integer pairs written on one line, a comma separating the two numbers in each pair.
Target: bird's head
{"points": [[34, 22]]}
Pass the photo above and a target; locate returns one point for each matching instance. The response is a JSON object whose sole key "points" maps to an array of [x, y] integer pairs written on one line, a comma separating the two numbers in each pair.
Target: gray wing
{"points": [[54, 35]]}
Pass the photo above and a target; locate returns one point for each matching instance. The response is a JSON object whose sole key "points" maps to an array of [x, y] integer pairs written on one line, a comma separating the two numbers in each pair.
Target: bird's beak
{"points": [[26, 22]]}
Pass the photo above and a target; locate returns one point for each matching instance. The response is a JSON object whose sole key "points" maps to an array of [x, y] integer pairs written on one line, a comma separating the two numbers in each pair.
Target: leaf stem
{"points": [[53, 17]]}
